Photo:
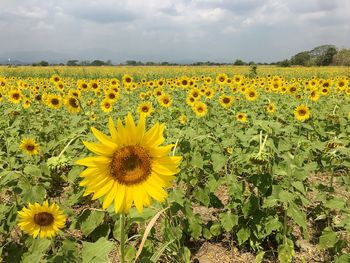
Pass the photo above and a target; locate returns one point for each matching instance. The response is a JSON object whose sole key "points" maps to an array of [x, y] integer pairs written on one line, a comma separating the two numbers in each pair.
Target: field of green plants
{"points": [[150, 164]]}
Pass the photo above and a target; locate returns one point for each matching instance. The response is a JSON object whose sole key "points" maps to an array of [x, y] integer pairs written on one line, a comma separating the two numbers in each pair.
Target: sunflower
{"points": [[43, 220], [271, 108], [106, 105], [221, 79], [54, 101], [130, 166], [195, 93], [26, 103], [200, 109], [14, 96], [226, 101], [314, 95], [75, 93], [145, 108], [165, 100], [72, 103], [55, 78], [302, 113], [127, 79], [29, 146], [242, 117], [183, 119], [112, 95], [251, 94]]}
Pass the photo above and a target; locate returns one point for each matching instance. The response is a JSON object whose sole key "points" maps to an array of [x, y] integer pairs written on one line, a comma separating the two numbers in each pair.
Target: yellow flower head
{"points": [[130, 166], [43, 220], [302, 113], [29, 146]]}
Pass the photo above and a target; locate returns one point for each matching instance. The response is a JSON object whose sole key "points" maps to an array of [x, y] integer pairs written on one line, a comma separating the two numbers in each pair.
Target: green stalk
{"points": [[122, 238]]}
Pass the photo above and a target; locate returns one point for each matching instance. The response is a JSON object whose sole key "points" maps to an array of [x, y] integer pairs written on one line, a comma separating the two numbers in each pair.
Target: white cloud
{"points": [[183, 29]]}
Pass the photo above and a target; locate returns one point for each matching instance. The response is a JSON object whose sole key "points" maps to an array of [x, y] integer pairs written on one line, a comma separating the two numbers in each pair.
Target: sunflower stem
{"points": [[122, 237]]}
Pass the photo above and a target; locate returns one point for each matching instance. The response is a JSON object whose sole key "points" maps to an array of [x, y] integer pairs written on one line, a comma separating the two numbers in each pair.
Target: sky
{"points": [[164, 30]]}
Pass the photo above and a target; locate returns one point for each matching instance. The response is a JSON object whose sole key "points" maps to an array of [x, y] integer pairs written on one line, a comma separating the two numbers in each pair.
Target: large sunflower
{"points": [[130, 166], [43, 220]]}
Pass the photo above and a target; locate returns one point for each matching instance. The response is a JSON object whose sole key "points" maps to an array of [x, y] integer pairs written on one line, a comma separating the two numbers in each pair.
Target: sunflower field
{"points": [[152, 164]]}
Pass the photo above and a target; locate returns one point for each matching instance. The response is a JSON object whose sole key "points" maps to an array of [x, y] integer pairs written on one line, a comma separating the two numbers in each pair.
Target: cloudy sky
{"points": [[164, 30]]}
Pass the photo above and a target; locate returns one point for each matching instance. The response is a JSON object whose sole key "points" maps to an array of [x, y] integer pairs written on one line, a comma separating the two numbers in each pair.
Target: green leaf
{"points": [[32, 170], [215, 229], [298, 216], [94, 219], [202, 196], [195, 228], [177, 196], [259, 257], [197, 160], [336, 203], [243, 235], [345, 258], [286, 252], [286, 196], [328, 238], [130, 253], [32, 193], [219, 161], [37, 251], [228, 221], [299, 186], [97, 252]]}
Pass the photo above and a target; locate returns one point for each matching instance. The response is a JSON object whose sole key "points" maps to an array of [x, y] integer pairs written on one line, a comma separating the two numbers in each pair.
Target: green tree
{"points": [[342, 58]]}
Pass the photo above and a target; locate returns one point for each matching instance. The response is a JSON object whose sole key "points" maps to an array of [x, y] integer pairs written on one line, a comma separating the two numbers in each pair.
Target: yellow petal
{"points": [[155, 192], [104, 139], [110, 196], [95, 161], [119, 199], [160, 151], [100, 149], [103, 190]]}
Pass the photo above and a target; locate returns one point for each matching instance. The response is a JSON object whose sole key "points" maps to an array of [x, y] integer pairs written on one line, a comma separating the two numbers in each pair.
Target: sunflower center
{"points": [[43, 219], [16, 96], [54, 101], [30, 147], [73, 102], [145, 109], [226, 100], [131, 165], [302, 112]]}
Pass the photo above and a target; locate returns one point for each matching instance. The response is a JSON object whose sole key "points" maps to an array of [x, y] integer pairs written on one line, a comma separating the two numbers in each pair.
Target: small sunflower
{"points": [[242, 117], [130, 166], [29, 146], [106, 105], [183, 119], [251, 94], [302, 113], [226, 101], [271, 108], [200, 109], [14, 96], [72, 103], [221, 79], [54, 101], [145, 108], [43, 220], [165, 100]]}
